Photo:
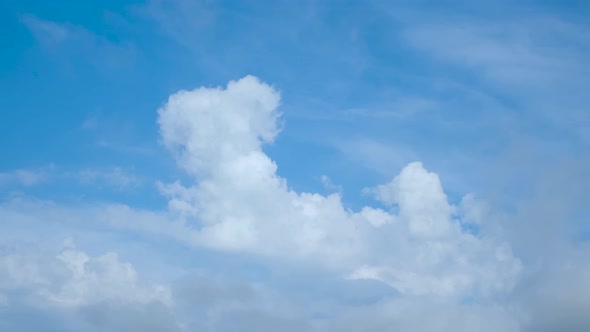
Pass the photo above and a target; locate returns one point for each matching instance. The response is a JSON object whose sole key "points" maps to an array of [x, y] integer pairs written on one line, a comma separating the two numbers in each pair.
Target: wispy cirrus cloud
{"points": [[25, 177], [113, 177], [537, 61], [75, 42], [49, 33]]}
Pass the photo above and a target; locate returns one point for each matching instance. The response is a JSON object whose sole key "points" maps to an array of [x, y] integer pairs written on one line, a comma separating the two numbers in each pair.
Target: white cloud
{"points": [[239, 203], [79, 291], [208, 128], [421, 200], [377, 217], [473, 210], [72, 278], [102, 278]]}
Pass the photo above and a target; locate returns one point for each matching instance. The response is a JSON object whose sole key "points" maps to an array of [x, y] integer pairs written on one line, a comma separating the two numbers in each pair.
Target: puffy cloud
{"points": [[421, 200], [239, 203], [472, 210], [73, 279], [79, 289], [207, 128]]}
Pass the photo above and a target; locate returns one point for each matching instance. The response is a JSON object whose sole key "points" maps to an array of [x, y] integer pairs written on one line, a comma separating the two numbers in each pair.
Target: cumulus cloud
{"points": [[71, 284], [421, 199], [239, 203], [72, 278]]}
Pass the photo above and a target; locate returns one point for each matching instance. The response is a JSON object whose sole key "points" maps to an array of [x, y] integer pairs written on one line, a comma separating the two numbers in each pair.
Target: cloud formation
{"points": [[239, 203], [414, 254], [80, 291]]}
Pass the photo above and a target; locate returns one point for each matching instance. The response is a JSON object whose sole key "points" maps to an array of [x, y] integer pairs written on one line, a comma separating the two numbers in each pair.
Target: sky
{"points": [[313, 165]]}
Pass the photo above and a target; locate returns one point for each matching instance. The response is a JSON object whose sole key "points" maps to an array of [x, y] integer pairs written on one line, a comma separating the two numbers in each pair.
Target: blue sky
{"points": [[311, 166]]}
